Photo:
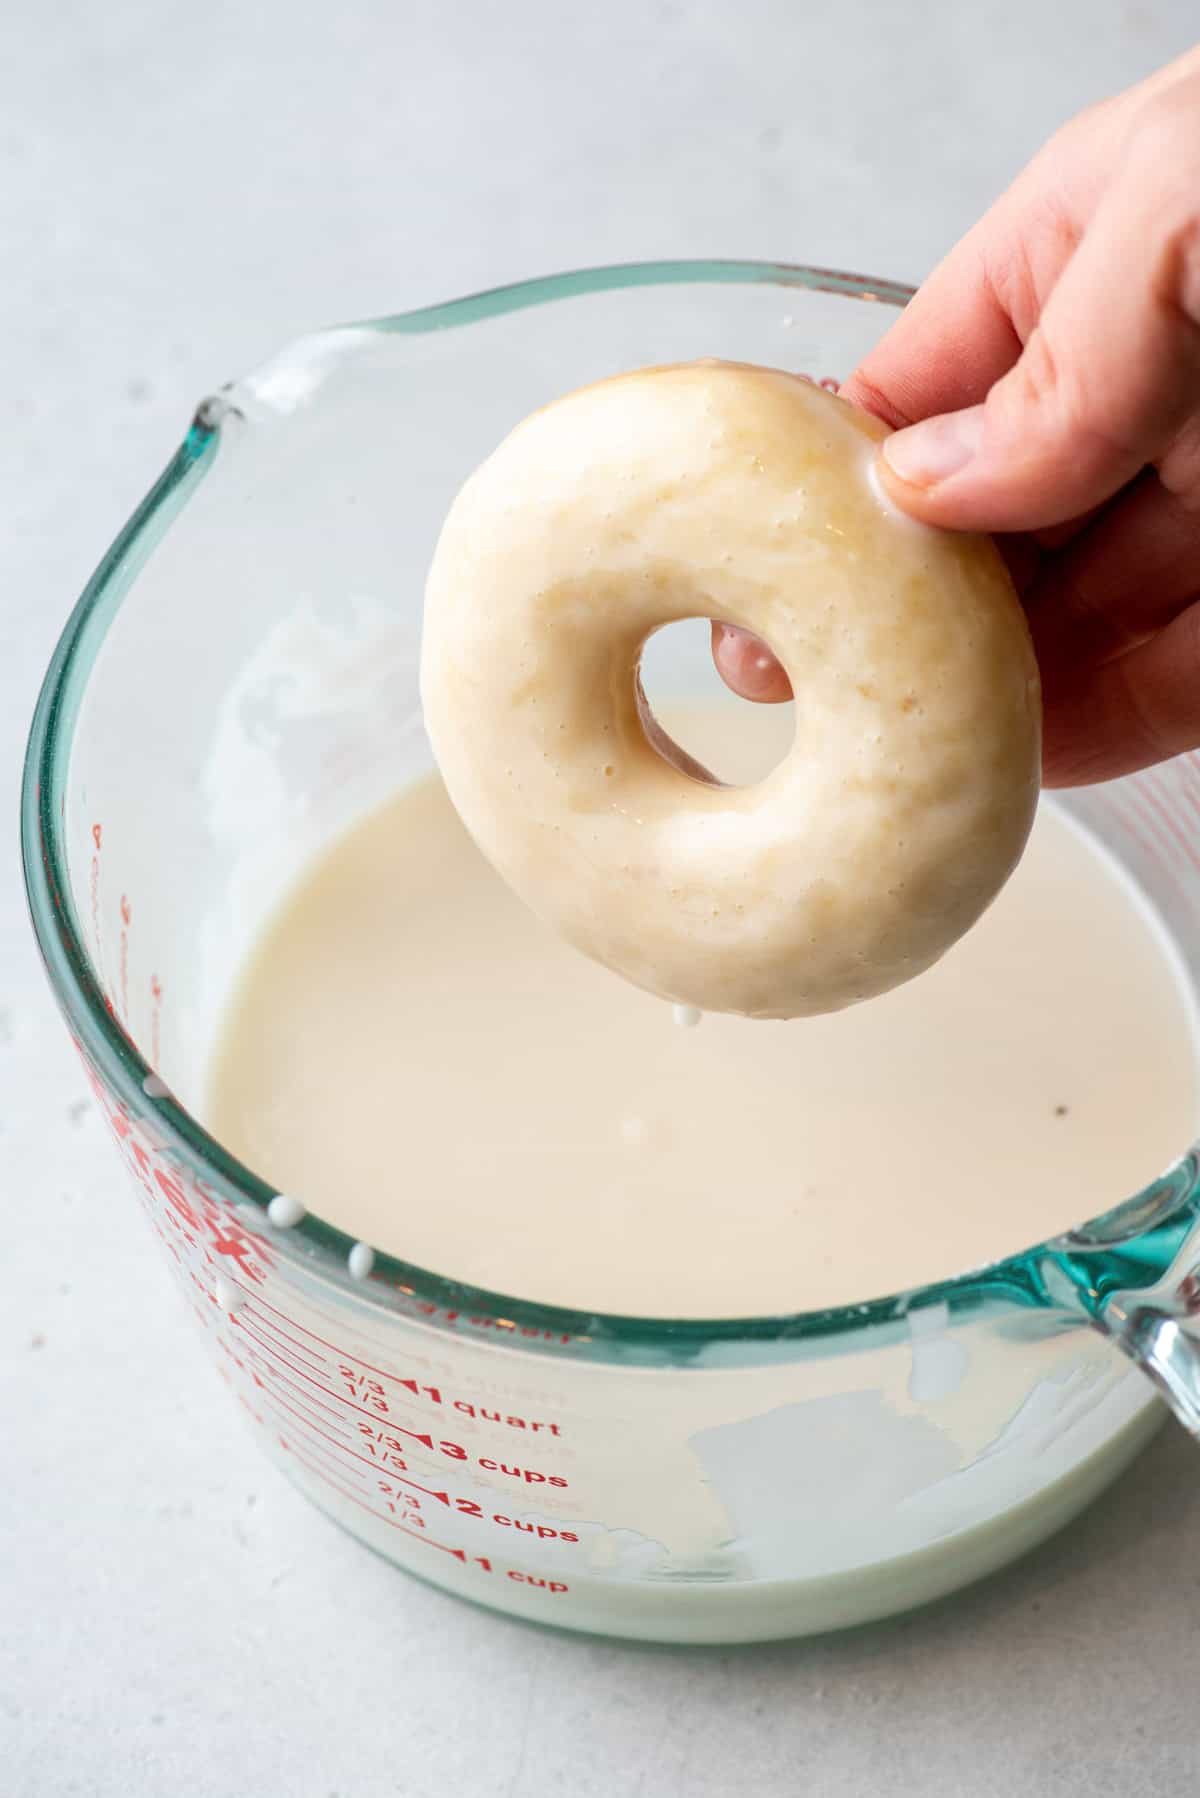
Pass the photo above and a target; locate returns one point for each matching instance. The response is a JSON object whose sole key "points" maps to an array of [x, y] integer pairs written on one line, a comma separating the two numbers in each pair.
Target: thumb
{"points": [[1104, 383]]}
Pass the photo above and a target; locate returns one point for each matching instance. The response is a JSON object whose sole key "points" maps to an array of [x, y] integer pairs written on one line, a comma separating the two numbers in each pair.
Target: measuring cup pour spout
{"points": [[1136, 1274]]}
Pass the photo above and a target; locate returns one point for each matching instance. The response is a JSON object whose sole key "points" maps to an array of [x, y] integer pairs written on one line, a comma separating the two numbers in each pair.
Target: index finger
{"points": [[951, 343]]}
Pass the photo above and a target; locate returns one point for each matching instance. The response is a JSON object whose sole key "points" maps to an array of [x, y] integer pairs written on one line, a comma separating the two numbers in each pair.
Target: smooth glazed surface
{"points": [[747, 495]]}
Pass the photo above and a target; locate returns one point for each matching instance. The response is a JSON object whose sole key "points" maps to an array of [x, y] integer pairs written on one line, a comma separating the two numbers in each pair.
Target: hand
{"points": [[1053, 360]]}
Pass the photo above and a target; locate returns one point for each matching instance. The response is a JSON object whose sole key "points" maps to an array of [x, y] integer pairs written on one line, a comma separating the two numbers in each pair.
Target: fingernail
{"points": [[933, 450]]}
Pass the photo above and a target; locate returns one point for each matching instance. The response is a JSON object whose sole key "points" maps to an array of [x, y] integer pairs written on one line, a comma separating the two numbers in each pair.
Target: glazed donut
{"points": [[745, 495]]}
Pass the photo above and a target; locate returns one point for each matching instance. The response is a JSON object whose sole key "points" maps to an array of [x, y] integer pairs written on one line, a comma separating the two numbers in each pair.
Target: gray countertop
{"points": [[183, 188]]}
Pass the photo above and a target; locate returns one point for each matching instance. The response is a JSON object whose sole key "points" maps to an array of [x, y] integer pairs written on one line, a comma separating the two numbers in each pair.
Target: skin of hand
{"points": [[1045, 386]]}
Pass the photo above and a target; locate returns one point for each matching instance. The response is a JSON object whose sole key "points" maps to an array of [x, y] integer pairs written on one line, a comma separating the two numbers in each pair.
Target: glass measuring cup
{"points": [[237, 684]]}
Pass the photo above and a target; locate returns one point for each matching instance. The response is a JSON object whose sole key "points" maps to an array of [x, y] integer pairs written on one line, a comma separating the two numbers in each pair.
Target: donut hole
{"points": [[737, 741]]}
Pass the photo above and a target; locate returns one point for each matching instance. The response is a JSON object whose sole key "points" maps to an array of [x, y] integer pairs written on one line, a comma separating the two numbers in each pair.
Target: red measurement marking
{"points": [[535, 1425], [353, 1455], [297, 1392], [239, 1322], [413, 1517], [373, 1391], [259, 1364], [341, 1353], [442, 1497], [1169, 829], [385, 1457], [468, 1407], [1188, 782], [307, 1418], [1171, 797], [533, 1579], [414, 1386], [94, 894], [313, 1448], [155, 1020], [1131, 815], [397, 1429], [531, 1476], [243, 1400], [460, 1554], [261, 1360], [283, 1354], [265, 1323], [126, 912]]}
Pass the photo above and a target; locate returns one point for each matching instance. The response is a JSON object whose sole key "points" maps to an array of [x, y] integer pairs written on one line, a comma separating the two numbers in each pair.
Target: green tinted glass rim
{"points": [[1131, 1246]]}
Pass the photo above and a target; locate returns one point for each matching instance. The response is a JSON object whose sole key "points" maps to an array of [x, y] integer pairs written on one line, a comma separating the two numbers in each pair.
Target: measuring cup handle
{"points": [[1158, 1327]]}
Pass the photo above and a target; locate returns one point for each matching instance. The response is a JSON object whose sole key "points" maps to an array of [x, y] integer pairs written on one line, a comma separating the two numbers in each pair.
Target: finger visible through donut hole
{"points": [[696, 721]]}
